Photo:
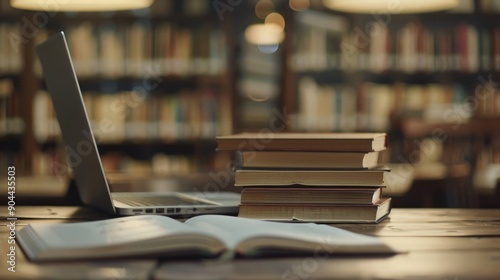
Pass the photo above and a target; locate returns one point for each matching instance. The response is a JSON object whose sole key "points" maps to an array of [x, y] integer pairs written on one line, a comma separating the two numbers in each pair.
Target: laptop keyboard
{"points": [[157, 201]]}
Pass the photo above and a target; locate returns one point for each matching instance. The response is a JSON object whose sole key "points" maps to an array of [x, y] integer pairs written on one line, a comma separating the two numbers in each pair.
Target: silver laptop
{"points": [[88, 172]]}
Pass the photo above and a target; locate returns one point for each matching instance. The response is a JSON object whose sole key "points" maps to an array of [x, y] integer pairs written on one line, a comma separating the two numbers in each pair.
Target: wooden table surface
{"points": [[447, 244]]}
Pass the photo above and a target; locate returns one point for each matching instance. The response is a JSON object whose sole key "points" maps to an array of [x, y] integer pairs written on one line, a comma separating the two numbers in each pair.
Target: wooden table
{"points": [[447, 244]]}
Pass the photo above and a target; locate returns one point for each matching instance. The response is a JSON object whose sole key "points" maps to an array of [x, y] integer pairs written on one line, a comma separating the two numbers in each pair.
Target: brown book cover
{"points": [[334, 142], [318, 213], [310, 195]]}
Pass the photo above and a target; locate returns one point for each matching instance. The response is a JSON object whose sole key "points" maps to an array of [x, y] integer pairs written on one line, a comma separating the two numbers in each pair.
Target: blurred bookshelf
{"points": [[172, 77], [160, 77], [403, 74], [425, 59], [258, 71], [12, 125]]}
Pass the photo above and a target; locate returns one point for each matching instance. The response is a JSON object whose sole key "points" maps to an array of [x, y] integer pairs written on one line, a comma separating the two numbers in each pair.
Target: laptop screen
{"points": [[81, 148]]}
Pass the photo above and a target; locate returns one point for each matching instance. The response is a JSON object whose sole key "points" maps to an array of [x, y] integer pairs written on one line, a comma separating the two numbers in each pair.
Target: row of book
{"points": [[12, 126], [135, 116], [411, 48], [52, 162], [257, 85], [11, 122], [487, 6], [310, 177], [9, 157], [143, 48], [486, 100], [11, 48], [159, 164], [369, 106], [487, 166]]}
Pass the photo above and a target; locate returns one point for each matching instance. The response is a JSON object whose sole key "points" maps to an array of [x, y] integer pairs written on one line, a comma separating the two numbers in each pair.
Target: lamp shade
{"points": [[390, 6], [80, 5]]}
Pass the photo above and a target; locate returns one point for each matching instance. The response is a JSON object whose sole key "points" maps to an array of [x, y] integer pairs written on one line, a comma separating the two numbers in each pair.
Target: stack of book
{"points": [[313, 177]]}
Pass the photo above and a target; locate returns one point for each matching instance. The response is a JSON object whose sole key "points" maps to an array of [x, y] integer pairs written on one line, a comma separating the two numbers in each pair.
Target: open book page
{"points": [[111, 232], [128, 236], [251, 237]]}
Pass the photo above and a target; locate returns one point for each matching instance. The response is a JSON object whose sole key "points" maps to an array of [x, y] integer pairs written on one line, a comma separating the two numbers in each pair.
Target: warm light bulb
{"points": [[390, 6], [264, 34], [299, 5], [80, 5], [275, 18], [263, 8]]}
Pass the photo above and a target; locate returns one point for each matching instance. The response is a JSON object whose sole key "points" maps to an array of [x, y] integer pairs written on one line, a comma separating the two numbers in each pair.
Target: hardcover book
{"points": [[324, 213], [310, 195], [286, 177], [334, 142]]}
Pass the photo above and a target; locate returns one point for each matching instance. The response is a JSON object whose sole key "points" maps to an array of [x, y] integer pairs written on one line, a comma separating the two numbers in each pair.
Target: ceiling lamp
{"points": [[80, 5], [390, 6]]}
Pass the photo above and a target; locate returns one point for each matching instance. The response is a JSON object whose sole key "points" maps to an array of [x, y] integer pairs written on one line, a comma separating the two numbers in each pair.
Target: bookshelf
{"points": [[160, 77], [181, 56], [375, 72], [12, 125], [258, 71], [415, 52]]}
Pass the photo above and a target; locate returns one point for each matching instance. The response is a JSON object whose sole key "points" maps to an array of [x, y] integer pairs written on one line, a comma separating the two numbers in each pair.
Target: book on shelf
{"points": [[258, 86], [308, 160], [11, 54], [325, 107], [185, 115], [285, 177], [337, 142], [368, 106], [138, 48], [202, 236], [412, 47], [11, 121], [325, 213], [311, 195]]}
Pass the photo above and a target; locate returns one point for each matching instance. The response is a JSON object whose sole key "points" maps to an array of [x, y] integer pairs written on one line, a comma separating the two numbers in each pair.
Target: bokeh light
{"points": [[263, 8], [299, 5]]}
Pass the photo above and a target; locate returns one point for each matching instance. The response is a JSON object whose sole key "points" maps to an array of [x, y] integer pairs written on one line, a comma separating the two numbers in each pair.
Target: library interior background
{"points": [[171, 77]]}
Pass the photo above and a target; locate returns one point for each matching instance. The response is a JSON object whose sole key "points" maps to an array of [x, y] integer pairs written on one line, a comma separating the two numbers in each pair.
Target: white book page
{"points": [[233, 230], [110, 232]]}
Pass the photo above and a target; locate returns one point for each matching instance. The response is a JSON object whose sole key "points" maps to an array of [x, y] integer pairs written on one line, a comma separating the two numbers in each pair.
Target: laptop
{"points": [[83, 156]]}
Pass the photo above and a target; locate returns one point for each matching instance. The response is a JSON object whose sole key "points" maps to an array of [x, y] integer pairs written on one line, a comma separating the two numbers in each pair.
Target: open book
{"points": [[201, 236]]}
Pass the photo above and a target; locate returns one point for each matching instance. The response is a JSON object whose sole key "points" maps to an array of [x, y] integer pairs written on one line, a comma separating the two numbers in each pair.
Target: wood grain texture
{"points": [[434, 244]]}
